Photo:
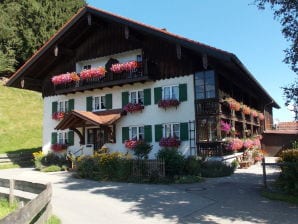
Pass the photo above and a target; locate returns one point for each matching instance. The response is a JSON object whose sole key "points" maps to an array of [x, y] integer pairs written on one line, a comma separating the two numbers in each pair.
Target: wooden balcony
{"points": [[110, 79]]}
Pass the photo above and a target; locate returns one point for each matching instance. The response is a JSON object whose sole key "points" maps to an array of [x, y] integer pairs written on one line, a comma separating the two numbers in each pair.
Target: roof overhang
{"points": [[78, 119]]}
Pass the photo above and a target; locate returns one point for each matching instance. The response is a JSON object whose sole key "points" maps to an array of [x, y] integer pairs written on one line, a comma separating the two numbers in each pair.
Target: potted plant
{"points": [[133, 107], [170, 142], [168, 103]]}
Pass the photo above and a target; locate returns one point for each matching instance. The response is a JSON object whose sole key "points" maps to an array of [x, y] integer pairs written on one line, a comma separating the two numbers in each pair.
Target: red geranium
{"points": [[168, 103], [169, 142], [58, 115], [132, 107], [58, 147], [131, 144]]}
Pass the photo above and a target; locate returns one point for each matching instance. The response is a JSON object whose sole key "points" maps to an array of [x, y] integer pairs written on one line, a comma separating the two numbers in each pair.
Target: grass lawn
{"points": [[20, 119], [280, 197], [5, 209], [9, 166], [53, 220]]}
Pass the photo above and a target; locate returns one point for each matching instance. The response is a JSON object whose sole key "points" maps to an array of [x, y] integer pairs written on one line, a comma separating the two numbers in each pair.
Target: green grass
{"points": [[5, 209], [9, 166], [53, 220], [280, 197], [52, 168], [20, 119]]}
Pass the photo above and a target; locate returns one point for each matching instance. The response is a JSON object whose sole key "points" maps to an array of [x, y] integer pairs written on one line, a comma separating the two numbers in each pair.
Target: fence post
{"points": [[11, 192], [264, 172]]}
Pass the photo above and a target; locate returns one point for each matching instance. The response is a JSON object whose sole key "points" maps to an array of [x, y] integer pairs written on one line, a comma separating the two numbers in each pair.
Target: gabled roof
{"points": [[195, 46]]}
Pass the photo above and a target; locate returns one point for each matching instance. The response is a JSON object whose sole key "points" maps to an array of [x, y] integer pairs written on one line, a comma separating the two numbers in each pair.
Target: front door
{"points": [[96, 137]]}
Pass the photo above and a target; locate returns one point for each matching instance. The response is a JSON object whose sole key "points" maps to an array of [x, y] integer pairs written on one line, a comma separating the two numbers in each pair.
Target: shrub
{"points": [[217, 169], [87, 167], [288, 180], [53, 159], [192, 166], [142, 150], [37, 160], [109, 165], [51, 168], [174, 161]]}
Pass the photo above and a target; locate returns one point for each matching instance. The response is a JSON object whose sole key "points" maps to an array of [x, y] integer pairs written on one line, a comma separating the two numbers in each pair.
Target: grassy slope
{"points": [[20, 119]]}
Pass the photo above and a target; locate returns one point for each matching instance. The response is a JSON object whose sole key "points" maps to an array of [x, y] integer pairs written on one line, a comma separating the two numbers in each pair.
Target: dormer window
{"points": [[86, 67]]}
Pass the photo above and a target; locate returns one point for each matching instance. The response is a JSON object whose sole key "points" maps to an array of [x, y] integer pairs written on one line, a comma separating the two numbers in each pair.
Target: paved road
{"points": [[234, 199]]}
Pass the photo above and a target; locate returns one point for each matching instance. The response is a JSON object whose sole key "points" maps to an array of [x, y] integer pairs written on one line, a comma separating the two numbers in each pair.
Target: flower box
{"points": [[133, 107], [261, 116], [58, 115], [254, 113], [58, 147], [169, 142], [93, 73], [65, 78], [245, 109], [233, 144], [124, 67], [168, 103]]}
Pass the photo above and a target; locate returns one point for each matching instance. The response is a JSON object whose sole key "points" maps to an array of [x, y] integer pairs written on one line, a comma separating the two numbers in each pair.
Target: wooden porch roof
{"points": [[77, 119]]}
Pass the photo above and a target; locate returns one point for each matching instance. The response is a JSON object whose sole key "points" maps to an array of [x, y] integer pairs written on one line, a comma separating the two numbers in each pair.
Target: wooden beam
{"points": [[126, 32], [60, 50], [89, 19], [178, 51], [81, 136]]}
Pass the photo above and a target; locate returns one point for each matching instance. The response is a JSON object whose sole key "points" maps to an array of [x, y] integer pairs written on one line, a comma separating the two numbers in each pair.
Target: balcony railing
{"points": [[110, 79]]}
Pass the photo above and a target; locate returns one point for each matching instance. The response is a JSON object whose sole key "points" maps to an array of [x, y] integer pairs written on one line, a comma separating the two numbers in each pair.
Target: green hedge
{"points": [[288, 180]]}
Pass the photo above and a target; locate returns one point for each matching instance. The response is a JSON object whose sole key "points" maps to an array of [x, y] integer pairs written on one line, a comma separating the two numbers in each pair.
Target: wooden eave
{"points": [[77, 27]]}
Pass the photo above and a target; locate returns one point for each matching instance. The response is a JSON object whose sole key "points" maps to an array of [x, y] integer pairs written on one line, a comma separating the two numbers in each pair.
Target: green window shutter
{"points": [[125, 133], [183, 92], [54, 138], [89, 102], [157, 94], [147, 97], [148, 133], [158, 132], [54, 107], [125, 98], [184, 131], [70, 138], [71, 105], [109, 102]]}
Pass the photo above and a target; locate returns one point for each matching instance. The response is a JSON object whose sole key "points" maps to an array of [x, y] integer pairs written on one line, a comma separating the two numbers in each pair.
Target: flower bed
{"points": [[58, 115], [124, 67], [58, 147], [168, 103], [169, 142], [133, 107]]}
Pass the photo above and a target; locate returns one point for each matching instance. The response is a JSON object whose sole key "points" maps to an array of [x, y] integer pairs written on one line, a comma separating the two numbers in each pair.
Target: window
{"points": [[137, 133], [171, 130], [85, 67], [205, 85], [170, 92], [62, 138], [137, 97], [99, 103], [63, 106]]}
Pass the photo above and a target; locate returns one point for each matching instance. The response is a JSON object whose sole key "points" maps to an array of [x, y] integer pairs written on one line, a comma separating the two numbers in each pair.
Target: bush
{"points": [[51, 168], [174, 161], [37, 160], [217, 169], [142, 150], [87, 167], [53, 159], [192, 166], [288, 180], [109, 166]]}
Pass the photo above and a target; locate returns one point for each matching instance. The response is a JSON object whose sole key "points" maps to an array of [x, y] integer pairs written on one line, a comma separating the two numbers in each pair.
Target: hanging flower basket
{"points": [[168, 103], [169, 142], [248, 143], [93, 73], [133, 107], [59, 147], [131, 144], [58, 115], [245, 109], [124, 67]]}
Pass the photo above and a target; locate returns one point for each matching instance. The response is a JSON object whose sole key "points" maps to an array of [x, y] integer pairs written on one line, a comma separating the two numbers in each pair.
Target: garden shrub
{"points": [[288, 180], [217, 169], [109, 165], [88, 167], [192, 166], [53, 159], [174, 161], [142, 150]]}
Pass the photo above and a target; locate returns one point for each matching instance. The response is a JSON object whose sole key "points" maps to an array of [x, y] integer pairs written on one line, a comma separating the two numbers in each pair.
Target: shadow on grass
{"points": [[22, 157], [229, 199]]}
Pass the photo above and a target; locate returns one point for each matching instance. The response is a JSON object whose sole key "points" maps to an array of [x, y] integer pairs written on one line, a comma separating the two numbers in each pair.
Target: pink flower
{"points": [[127, 66], [61, 79], [58, 115], [234, 144], [226, 127], [247, 143], [93, 73]]}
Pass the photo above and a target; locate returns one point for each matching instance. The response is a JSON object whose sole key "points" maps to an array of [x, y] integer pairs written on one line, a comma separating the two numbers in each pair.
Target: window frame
{"points": [[206, 76], [172, 132], [138, 98], [62, 135], [138, 133], [171, 92], [86, 67], [65, 106], [100, 97]]}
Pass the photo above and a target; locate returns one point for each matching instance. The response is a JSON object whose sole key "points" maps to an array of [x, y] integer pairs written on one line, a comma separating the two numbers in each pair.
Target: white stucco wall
{"points": [[151, 115]]}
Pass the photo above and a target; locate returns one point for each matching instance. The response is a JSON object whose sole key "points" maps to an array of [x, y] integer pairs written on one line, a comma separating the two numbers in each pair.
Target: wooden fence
{"points": [[37, 210]]}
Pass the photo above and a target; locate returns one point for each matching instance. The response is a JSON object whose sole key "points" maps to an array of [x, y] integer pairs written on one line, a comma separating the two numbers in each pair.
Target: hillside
{"points": [[20, 119]]}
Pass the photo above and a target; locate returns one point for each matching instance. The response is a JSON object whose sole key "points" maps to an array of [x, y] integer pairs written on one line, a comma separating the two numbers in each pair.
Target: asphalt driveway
{"points": [[234, 199]]}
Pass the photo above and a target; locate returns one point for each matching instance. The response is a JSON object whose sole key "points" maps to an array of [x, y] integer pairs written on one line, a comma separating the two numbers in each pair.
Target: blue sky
{"points": [[235, 26]]}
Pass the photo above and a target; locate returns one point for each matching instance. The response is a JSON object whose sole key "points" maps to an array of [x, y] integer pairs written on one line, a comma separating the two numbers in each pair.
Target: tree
{"points": [[26, 25], [287, 12]]}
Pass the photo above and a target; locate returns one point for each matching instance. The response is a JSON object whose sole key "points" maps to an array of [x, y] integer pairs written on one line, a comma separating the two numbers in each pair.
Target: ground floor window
{"points": [[207, 129], [171, 130], [137, 133], [62, 137]]}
